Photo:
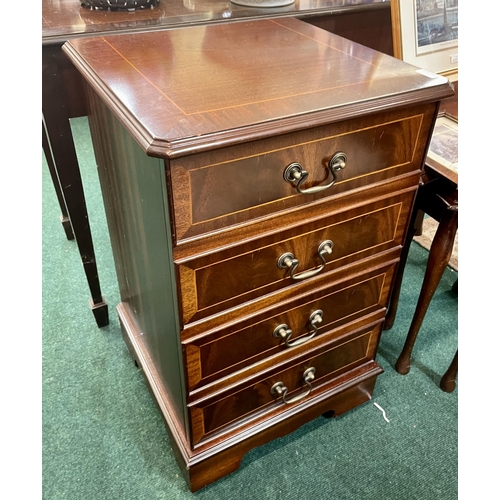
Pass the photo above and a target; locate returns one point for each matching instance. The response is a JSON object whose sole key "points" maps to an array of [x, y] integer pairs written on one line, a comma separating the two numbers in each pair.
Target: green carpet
{"points": [[104, 438]]}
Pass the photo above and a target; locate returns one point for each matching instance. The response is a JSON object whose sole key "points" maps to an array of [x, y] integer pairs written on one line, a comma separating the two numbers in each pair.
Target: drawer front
{"points": [[218, 189], [348, 353], [309, 321], [226, 279]]}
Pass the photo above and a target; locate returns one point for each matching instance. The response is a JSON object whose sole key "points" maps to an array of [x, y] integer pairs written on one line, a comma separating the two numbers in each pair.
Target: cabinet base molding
{"points": [[212, 460]]}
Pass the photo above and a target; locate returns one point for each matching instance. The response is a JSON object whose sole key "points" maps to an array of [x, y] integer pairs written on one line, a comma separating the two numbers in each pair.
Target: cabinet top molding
{"points": [[190, 89]]}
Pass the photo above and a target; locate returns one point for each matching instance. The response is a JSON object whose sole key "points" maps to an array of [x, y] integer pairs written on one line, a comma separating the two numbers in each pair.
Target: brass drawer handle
{"points": [[295, 172], [281, 389], [288, 261], [282, 331]]}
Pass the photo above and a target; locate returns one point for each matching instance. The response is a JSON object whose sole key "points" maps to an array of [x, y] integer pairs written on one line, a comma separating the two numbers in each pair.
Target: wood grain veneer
{"points": [[376, 151], [215, 282], [213, 97], [191, 142], [250, 342]]}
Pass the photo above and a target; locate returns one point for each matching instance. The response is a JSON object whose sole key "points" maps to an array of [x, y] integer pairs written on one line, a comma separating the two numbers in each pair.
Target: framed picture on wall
{"points": [[442, 155], [425, 34]]}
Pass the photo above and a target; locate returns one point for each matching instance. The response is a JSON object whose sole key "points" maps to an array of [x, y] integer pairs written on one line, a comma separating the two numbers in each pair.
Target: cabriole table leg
{"points": [[439, 256]]}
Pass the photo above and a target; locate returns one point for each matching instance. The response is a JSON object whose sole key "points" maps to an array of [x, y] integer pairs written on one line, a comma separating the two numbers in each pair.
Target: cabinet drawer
{"points": [[216, 190], [226, 279], [331, 361], [235, 347]]}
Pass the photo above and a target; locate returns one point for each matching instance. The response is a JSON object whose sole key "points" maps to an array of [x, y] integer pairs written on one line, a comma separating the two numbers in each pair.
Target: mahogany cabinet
{"points": [[364, 21], [258, 179]]}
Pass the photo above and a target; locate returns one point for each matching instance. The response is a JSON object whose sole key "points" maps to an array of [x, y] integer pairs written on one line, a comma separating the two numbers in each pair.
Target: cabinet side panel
{"points": [[134, 191]]}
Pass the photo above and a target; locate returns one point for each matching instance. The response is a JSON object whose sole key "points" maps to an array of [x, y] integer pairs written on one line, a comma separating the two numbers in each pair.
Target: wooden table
{"points": [[364, 21], [437, 197]]}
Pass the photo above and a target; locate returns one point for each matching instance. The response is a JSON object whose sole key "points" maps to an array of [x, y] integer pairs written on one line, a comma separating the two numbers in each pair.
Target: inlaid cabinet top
{"points": [[201, 87]]}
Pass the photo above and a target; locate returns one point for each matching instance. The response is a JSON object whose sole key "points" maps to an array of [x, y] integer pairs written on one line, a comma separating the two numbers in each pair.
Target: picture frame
{"points": [[442, 154], [425, 34]]}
